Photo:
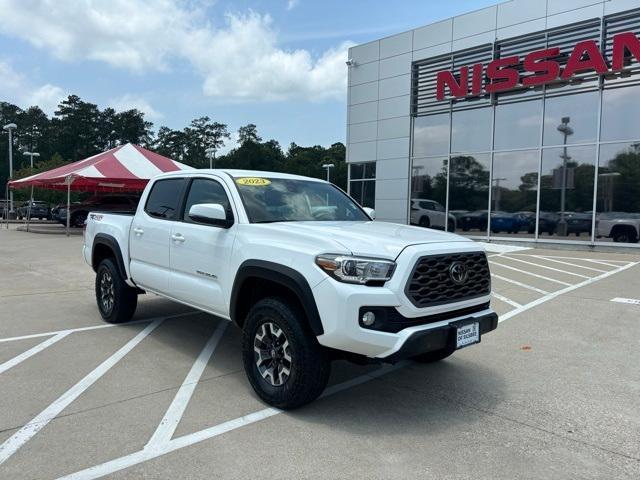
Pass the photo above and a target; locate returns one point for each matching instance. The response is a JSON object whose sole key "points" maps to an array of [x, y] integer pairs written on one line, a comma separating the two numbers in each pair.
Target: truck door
{"points": [[150, 235], [201, 253]]}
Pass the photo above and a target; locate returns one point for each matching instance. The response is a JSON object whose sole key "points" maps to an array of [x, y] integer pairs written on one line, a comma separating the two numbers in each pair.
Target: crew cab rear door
{"points": [[150, 235], [200, 253]]}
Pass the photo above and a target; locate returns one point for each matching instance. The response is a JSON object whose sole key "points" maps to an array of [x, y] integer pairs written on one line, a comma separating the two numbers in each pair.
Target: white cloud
{"points": [[128, 102], [291, 4], [17, 89], [239, 59]]}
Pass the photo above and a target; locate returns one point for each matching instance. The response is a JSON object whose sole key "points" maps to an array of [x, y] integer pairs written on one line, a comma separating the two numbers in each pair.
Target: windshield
{"points": [[269, 200]]}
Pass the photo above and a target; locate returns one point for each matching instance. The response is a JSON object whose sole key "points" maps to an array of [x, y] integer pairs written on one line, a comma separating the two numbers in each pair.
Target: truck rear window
{"points": [[164, 198]]}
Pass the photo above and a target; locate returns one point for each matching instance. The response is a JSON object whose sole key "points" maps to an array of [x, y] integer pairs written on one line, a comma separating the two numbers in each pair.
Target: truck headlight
{"points": [[357, 270]]}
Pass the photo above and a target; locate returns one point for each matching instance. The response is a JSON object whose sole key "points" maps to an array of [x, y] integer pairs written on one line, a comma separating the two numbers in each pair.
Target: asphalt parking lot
{"points": [[553, 393]]}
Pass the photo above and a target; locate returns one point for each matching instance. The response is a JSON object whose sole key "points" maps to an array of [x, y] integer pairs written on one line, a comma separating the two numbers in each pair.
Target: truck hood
{"points": [[376, 239]]}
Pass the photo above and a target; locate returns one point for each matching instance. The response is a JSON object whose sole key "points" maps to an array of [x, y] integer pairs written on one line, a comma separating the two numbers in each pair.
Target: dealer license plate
{"points": [[468, 335]]}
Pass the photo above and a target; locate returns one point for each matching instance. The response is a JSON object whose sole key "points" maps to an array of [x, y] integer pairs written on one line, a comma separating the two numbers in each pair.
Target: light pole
{"points": [[496, 194], [211, 153], [10, 127], [566, 131], [328, 166]]}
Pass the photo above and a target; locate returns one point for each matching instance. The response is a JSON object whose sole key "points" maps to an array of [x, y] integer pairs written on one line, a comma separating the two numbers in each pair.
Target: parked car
{"points": [[578, 223], [547, 222], [4, 208], [39, 210], [458, 214], [505, 222], [474, 221], [97, 203], [620, 226], [430, 214], [305, 285]]}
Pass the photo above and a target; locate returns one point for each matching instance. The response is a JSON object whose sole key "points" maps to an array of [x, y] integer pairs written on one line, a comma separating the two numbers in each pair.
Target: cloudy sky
{"points": [[276, 63]]}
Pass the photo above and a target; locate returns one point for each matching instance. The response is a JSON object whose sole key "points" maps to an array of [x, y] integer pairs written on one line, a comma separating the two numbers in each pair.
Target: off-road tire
{"points": [[435, 356], [124, 299], [309, 363]]}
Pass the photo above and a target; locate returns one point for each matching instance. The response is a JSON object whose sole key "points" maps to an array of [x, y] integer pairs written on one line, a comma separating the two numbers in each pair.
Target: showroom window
{"points": [[566, 193], [514, 193], [469, 192], [362, 183], [429, 192], [518, 125], [618, 199]]}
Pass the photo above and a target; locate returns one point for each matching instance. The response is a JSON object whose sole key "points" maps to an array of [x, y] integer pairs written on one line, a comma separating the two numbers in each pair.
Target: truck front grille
{"points": [[431, 282]]}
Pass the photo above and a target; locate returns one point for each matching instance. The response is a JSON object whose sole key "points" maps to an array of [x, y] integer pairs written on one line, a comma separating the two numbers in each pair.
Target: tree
{"points": [[77, 125], [248, 133], [131, 127], [201, 135]]}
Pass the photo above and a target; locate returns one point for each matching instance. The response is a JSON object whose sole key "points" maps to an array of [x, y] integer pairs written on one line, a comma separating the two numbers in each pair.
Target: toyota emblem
{"points": [[458, 273]]}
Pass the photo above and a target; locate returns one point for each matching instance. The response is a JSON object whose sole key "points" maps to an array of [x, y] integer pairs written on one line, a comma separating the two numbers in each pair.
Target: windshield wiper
{"points": [[275, 221]]}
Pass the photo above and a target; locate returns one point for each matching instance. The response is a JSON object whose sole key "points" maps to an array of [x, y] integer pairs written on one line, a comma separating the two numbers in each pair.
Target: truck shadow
{"points": [[414, 398]]}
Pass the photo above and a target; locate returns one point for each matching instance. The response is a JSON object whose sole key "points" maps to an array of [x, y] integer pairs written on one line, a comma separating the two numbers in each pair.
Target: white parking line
{"points": [[601, 262], [140, 456], [520, 284], [28, 431], [172, 417], [632, 301], [599, 270], [31, 352], [92, 327], [547, 268], [504, 299], [529, 273], [553, 295]]}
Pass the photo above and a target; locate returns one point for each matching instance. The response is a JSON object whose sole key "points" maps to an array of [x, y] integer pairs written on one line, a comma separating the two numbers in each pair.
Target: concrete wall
{"points": [[380, 82]]}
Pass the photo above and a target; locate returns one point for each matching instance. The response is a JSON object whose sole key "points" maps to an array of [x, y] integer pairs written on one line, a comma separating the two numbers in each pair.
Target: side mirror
{"points": [[211, 214], [371, 212]]}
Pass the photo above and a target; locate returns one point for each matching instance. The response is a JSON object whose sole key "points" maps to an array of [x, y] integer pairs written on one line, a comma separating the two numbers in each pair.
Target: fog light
{"points": [[368, 319]]}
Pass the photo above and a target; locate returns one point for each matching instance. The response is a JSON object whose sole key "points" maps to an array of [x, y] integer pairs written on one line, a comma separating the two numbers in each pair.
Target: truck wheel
{"points": [[117, 301], [284, 362], [435, 356], [78, 219], [625, 235]]}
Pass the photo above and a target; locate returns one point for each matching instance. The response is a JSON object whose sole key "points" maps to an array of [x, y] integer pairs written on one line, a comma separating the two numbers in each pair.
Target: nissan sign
{"points": [[540, 67]]}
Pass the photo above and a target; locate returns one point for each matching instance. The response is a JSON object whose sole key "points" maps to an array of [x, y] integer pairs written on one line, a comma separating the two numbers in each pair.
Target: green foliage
{"points": [[79, 129]]}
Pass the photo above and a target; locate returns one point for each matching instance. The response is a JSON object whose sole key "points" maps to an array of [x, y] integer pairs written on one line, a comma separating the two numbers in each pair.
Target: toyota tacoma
{"points": [[300, 267]]}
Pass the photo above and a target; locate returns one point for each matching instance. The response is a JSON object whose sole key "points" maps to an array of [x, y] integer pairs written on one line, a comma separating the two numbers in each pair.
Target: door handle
{"points": [[138, 231], [177, 237]]}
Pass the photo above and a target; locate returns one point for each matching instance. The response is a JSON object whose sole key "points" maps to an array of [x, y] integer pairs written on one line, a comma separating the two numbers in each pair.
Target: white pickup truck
{"points": [[300, 267]]}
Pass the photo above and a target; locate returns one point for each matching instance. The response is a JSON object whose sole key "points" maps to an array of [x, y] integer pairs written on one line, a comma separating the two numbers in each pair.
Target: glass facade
{"points": [[362, 183], [555, 163]]}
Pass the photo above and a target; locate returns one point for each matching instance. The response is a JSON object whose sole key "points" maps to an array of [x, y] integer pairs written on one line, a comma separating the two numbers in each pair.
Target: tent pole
{"points": [[29, 209], [68, 205]]}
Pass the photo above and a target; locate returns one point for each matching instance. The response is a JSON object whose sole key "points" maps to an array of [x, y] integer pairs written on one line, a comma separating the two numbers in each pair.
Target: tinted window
{"points": [[621, 114], [471, 130], [518, 125], [431, 135], [164, 198], [571, 119], [205, 191]]}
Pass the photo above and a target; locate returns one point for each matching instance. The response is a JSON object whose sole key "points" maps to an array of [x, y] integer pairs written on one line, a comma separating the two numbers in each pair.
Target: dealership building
{"points": [[519, 121]]}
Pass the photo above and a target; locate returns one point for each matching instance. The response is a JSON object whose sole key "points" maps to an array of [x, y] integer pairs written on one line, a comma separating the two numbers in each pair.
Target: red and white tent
{"points": [[127, 167]]}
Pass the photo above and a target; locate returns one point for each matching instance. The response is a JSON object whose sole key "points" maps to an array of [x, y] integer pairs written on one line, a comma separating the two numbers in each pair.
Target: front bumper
{"points": [[439, 338]]}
